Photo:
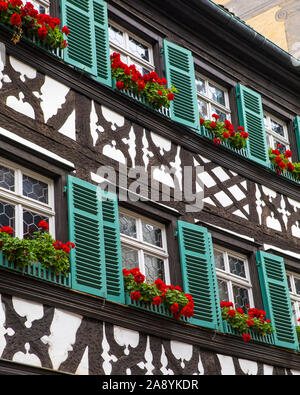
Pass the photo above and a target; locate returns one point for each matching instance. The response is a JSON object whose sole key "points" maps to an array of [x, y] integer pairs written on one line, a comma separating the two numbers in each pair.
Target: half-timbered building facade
{"points": [[118, 177]]}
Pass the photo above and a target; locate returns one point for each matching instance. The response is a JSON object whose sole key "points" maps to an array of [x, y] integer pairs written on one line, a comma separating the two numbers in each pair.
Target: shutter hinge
{"points": [[162, 51], [176, 233], [65, 189]]}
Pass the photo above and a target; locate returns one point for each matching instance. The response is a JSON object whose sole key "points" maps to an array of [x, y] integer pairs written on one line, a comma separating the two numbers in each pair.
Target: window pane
{"points": [[223, 290], [30, 222], [130, 258], [289, 280], [297, 285], [216, 94], [35, 189], [241, 297], [277, 128], [237, 266], [152, 234], [223, 116], [127, 225], [154, 268], [116, 36], [219, 260], [139, 50], [200, 85], [7, 215], [202, 108], [7, 178]]}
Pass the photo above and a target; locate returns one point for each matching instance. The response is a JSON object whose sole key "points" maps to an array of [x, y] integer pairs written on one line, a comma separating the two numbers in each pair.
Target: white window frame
{"points": [[131, 58], [226, 109], [295, 298], [283, 139], [21, 202], [232, 279], [43, 3], [146, 248]]}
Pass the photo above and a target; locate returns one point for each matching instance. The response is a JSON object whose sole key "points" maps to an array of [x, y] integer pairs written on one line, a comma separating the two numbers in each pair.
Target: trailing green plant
{"points": [[148, 86], [38, 248], [298, 331], [254, 320], [224, 132], [172, 297]]}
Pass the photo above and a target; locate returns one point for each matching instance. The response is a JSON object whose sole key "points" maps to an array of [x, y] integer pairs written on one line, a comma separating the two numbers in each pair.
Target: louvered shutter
{"points": [[86, 231], [276, 298], [199, 278], [180, 72], [251, 117], [112, 245], [102, 42], [81, 49], [297, 132]]}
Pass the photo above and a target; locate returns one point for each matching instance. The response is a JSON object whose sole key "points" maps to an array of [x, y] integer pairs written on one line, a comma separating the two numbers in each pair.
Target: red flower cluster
{"points": [[27, 17], [59, 245], [128, 77], [224, 131], [282, 161], [7, 229], [167, 293], [44, 225], [253, 318]]}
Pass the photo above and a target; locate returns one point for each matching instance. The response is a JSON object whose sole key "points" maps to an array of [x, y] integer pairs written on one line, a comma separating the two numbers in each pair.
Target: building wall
{"points": [[276, 20]]}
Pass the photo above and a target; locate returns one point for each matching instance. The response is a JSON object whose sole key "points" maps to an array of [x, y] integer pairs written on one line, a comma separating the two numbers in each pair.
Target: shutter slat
{"points": [[102, 42], [251, 117], [297, 132], [199, 276], [276, 298], [81, 49], [86, 231], [112, 243], [180, 73]]}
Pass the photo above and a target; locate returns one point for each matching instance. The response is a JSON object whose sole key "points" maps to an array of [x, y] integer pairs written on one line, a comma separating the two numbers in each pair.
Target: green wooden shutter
{"points": [[276, 298], [180, 72], [102, 42], [81, 50], [251, 117], [199, 279], [112, 245], [297, 132], [86, 231]]}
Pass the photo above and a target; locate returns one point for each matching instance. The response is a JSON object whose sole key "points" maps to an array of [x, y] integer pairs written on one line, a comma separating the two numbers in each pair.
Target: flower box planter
{"points": [[142, 100], [37, 271], [33, 40], [267, 339], [289, 175], [149, 307], [209, 135]]}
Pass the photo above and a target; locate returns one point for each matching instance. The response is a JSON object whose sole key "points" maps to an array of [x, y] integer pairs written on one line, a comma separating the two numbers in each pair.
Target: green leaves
{"points": [[38, 249]]}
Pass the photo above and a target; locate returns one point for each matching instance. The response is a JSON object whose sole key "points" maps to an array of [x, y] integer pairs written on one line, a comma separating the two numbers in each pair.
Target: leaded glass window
{"points": [[212, 99], [26, 198], [144, 246], [294, 288], [132, 49], [233, 276]]}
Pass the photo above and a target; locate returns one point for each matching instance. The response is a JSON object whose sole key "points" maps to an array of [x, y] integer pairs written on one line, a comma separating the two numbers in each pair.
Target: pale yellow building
{"points": [[278, 20]]}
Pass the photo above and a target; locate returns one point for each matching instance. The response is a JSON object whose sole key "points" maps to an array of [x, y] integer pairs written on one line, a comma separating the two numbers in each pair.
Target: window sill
{"points": [[37, 271]]}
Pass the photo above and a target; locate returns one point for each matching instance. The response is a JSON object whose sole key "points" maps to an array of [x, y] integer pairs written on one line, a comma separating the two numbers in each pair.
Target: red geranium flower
{"points": [[7, 229], [156, 301], [246, 337], [139, 278], [65, 30], [43, 224], [135, 295], [15, 19], [120, 85]]}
